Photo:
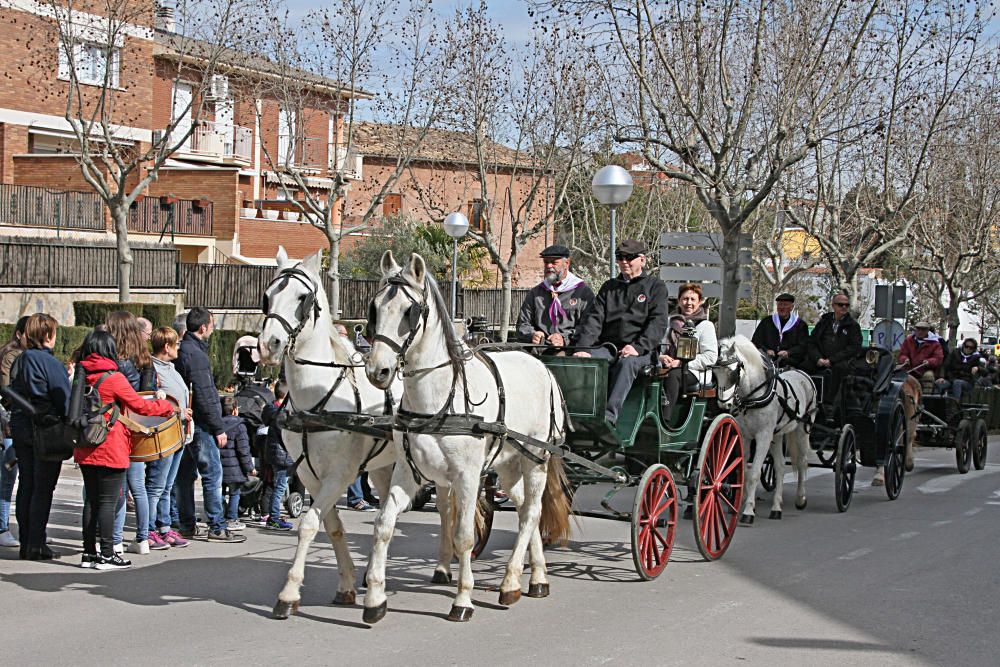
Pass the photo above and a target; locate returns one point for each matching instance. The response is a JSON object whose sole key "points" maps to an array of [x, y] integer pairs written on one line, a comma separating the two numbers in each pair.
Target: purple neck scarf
{"points": [[570, 282]]}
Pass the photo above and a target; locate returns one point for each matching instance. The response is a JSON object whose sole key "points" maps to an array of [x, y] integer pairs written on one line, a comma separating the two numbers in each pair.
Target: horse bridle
{"points": [[742, 403], [310, 302], [415, 316]]}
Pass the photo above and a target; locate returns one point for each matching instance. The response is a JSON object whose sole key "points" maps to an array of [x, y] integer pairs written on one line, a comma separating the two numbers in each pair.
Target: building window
{"points": [[391, 205], [477, 215], [90, 63]]}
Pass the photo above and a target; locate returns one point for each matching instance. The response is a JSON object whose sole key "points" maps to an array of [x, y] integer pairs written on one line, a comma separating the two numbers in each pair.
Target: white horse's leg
{"points": [[400, 495], [529, 513], [801, 439], [753, 479], [446, 547], [777, 448], [466, 490], [322, 505]]}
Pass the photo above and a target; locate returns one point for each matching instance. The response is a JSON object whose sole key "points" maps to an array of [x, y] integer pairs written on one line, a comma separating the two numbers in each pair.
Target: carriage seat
{"points": [[698, 390]]}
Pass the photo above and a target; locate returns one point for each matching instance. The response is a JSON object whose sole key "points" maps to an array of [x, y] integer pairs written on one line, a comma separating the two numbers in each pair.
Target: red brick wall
{"points": [[219, 186], [261, 238]]}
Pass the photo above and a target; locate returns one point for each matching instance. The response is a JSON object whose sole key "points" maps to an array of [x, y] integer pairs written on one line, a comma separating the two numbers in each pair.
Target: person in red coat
{"points": [[103, 467], [922, 354]]}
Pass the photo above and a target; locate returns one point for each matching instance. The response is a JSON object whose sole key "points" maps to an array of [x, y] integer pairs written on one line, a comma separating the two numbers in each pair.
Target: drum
{"points": [[153, 437]]}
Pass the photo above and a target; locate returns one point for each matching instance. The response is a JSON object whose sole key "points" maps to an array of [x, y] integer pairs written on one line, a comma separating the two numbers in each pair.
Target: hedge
{"points": [[92, 313]]}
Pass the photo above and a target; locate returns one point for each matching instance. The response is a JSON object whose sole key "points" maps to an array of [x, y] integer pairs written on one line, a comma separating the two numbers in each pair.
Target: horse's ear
{"points": [[417, 269], [388, 264], [282, 257], [313, 263]]}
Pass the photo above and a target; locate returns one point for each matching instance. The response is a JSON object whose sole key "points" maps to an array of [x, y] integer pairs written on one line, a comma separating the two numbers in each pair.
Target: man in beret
{"points": [[922, 354], [552, 309], [783, 336], [631, 313]]}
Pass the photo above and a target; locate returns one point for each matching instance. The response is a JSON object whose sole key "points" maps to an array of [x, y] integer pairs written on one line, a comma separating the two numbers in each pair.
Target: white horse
{"points": [[447, 389], [320, 374], [768, 406]]}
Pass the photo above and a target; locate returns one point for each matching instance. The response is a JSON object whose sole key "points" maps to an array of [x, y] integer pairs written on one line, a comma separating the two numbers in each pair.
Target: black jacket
{"points": [[42, 380], [236, 459], [194, 367], [795, 341], [841, 345], [534, 315], [958, 368], [277, 456], [627, 313]]}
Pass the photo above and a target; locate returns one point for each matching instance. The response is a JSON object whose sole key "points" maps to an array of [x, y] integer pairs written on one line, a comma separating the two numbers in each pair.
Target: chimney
{"points": [[164, 17]]}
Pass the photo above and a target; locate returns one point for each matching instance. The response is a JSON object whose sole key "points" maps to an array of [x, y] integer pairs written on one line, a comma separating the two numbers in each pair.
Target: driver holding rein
{"points": [[630, 312], [783, 336], [554, 307]]}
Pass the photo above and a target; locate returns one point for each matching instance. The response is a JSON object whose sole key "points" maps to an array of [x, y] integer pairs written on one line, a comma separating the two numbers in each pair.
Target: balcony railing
{"points": [[226, 142], [347, 162], [301, 152], [184, 217]]}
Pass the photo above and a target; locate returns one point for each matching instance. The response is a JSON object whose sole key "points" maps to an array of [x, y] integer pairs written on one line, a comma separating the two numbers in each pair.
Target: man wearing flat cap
{"points": [[631, 313], [922, 354], [551, 311], [783, 336]]}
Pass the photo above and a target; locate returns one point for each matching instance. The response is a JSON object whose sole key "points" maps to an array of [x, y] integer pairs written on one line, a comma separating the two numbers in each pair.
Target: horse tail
{"points": [[557, 504], [482, 509]]}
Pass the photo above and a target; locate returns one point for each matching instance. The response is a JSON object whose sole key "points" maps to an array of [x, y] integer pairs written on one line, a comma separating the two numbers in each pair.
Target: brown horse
{"points": [[911, 392]]}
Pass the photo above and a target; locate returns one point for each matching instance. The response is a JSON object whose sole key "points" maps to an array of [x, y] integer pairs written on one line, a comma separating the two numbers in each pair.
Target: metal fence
{"points": [[487, 303], [44, 264], [184, 216], [32, 206]]}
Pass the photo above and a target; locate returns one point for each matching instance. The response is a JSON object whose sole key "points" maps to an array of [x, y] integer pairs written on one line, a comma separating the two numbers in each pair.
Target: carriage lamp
{"points": [[687, 346], [872, 356], [612, 186]]}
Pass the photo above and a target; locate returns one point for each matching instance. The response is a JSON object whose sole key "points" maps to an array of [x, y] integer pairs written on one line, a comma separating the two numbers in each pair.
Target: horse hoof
{"points": [[775, 514], [507, 598], [746, 519], [460, 614], [283, 610], [909, 465], [346, 598], [538, 591], [800, 504], [375, 614], [441, 577]]}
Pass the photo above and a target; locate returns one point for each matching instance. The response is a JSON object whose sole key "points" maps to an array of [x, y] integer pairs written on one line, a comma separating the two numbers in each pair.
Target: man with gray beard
{"points": [[554, 307]]}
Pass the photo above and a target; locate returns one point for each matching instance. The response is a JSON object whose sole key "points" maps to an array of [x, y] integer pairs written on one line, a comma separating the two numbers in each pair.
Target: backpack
{"points": [[86, 425]]}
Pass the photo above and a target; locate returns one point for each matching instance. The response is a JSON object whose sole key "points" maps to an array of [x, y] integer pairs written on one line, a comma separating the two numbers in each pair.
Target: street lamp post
{"points": [[612, 186], [456, 226]]}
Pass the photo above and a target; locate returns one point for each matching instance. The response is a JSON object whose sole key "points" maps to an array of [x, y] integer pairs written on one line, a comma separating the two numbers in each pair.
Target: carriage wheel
{"points": [[654, 521], [980, 435], [845, 467], [719, 491], [484, 525], [895, 463], [963, 446], [767, 473]]}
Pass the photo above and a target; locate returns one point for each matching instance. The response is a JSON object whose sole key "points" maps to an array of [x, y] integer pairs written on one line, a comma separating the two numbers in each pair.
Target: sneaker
{"points": [[280, 524], [225, 536], [7, 539], [139, 547], [173, 538], [235, 524], [115, 562], [89, 561], [262, 522], [361, 506], [192, 534], [156, 541]]}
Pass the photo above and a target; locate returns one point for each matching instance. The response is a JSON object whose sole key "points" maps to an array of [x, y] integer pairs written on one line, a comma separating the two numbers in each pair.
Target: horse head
{"points": [[291, 304], [727, 370], [396, 316]]}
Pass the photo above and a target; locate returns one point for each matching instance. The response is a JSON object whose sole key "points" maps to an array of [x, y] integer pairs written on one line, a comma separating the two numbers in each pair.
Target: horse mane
{"points": [[343, 351], [749, 354], [453, 342]]}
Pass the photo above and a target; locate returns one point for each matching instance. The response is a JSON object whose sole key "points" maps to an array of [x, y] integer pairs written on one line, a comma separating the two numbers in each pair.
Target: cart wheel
{"points": [[845, 467], [979, 437], [654, 521], [963, 446], [718, 495], [767, 473], [486, 508], [422, 498], [294, 503], [895, 463]]}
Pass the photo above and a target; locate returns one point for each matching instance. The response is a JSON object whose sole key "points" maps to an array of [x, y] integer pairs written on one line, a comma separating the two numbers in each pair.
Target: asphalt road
{"points": [[907, 582]]}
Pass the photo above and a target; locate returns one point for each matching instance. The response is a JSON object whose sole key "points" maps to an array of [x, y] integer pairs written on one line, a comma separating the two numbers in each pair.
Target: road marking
{"points": [[992, 502], [938, 524], [974, 511], [945, 483], [905, 536], [857, 553]]}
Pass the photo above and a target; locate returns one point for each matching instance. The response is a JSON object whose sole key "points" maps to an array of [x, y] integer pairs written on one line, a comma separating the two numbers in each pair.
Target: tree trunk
{"points": [[953, 321], [119, 217], [334, 272], [730, 281], [505, 299]]}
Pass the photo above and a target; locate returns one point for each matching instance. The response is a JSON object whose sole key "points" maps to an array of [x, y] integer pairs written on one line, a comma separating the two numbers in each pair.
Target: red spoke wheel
{"points": [[718, 494], [654, 521]]}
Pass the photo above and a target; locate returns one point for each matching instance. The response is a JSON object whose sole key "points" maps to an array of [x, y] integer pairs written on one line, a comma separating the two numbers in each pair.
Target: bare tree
{"points": [[322, 66], [105, 63], [727, 95]]}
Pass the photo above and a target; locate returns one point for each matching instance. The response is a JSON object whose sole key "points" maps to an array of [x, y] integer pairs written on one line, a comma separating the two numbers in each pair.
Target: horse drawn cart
{"points": [[697, 445], [946, 422]]}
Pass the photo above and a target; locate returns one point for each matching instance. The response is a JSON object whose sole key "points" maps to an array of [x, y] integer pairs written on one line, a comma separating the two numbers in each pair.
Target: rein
{"points": [[772, 379]]}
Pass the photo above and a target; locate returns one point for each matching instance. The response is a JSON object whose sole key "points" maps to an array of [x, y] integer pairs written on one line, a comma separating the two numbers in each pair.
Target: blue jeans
{"points": [[7, 479], [959, 387], [201, 457], [354, 492], [156, 485], [135, 481], [278, 493], [233, 502], [166, 512]]}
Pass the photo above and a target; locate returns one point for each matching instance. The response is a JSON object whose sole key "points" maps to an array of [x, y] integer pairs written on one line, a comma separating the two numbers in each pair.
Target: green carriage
{"points": [[697, 445]]}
